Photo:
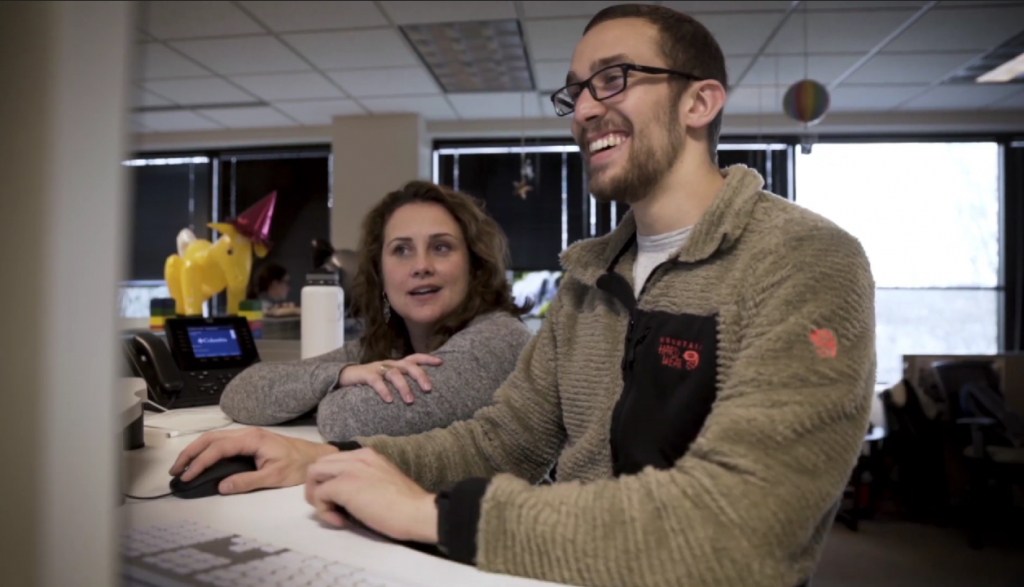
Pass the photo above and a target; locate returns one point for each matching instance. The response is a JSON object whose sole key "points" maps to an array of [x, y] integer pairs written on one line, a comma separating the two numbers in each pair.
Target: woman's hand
{"points": [[378, 374]]}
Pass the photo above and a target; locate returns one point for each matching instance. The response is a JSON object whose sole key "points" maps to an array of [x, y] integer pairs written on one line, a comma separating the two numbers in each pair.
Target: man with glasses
{"points": [[702, 379]]}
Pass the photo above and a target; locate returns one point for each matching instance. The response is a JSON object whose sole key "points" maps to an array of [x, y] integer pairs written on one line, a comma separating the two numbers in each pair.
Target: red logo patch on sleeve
{"points": [[824, 342]]}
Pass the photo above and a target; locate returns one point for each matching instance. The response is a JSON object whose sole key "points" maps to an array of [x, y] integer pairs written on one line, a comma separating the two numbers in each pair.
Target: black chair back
{"points": [[953, 376]]}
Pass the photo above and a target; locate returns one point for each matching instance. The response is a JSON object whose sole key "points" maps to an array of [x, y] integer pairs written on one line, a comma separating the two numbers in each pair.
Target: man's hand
{"points": [[375, 492], [281, 461]]}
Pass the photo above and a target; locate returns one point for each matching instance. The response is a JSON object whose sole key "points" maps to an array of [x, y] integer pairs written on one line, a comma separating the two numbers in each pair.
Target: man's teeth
{"points": [[605, 142]]}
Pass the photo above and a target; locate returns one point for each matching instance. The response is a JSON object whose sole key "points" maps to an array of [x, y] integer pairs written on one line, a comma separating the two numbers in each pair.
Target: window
{"points": [[301, 179], [928, 217], [168, 194], [554, 213]]}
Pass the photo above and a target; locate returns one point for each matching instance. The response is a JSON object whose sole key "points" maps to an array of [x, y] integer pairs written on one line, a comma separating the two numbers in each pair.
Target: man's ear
{"points": [[707, 101]]}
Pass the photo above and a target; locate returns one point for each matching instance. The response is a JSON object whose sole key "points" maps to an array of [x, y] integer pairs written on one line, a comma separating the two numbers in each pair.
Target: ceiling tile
{"points": [[547, 110], [736, 65], [316, 112], [550, 74], [788, 69], [909, 68], [174, 121], [850, 98], [555, 9], [424, 12], [243, 55], [962, 97], [430, 107], [553, 39], [137, 126], [184, 20], [207, 90], [143, 99], [875, 4], [311, 16], [754, 100], [288, 86], [496, 105], [399, 81], [979, 2], [960, 29], [727, 6], [740, 34], [258, 117], [159, 62], [353, 49], [1011, 102], [837, 32]]}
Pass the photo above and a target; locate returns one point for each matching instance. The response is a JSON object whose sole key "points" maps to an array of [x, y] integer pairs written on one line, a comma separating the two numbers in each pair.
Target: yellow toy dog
{"points": [[202, 269]]}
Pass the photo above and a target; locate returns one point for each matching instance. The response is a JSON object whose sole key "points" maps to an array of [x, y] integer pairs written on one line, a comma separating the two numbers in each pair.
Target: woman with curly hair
{"points": [[441, 329]]}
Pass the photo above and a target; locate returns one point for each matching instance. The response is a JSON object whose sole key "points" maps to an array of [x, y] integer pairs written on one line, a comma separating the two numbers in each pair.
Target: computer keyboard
{"points": [[188, 554]]}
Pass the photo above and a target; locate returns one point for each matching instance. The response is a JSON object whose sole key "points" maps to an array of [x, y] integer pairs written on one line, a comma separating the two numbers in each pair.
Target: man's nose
{"points": [[587, 108]]}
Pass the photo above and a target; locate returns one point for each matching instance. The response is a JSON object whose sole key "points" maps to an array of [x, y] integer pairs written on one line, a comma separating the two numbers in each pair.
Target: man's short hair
{"points": [[686, 45]]}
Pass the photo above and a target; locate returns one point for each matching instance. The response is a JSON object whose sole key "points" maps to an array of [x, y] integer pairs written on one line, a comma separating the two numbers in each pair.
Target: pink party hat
{"points": [[254, 223]]}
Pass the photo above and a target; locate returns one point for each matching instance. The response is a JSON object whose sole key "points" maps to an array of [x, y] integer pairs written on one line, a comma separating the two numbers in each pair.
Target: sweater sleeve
{"points": [[476, 362], [275, 392], [759, 484], [521, 433]]}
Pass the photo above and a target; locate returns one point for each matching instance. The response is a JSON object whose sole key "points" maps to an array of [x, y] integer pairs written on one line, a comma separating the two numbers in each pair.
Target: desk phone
{"points": [[199, 358]]}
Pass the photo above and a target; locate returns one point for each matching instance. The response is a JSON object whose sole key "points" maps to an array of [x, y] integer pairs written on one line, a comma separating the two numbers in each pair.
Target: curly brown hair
{"points": [[488, 291]]}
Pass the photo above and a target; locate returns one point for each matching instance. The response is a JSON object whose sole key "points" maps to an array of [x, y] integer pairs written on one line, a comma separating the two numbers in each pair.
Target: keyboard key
{"points": [[150, 578]]}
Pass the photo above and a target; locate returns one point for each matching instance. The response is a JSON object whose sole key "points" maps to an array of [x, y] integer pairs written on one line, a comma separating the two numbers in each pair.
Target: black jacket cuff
{"points": [[346, 445], [457, 522]]}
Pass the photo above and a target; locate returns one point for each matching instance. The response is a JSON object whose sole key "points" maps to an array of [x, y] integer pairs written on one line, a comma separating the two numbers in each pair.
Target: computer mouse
{"points": [[205, 484]]}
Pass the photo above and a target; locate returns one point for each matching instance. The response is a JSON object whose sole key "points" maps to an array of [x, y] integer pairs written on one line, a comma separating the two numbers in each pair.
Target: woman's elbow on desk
{"points": [[246, 400]]}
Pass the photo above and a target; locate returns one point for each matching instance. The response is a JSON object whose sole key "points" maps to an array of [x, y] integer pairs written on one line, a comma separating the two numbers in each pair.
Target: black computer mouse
{"points": [[205, 484]]}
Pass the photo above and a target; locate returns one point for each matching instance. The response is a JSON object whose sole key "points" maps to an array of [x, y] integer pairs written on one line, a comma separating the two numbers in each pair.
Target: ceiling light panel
{"points": [[483, 56], [1000, 65]]}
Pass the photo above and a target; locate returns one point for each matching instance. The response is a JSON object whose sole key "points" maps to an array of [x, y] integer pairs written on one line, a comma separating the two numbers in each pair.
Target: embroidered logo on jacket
{"points": [[824, 342], [677, 353]]}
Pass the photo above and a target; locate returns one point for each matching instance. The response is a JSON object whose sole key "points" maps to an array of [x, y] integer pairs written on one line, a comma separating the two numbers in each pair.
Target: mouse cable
{"points": [[150, 497]]}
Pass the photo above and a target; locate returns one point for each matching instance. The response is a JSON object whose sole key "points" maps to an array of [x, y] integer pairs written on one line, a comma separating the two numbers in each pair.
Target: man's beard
{"points": [[644, 167]]}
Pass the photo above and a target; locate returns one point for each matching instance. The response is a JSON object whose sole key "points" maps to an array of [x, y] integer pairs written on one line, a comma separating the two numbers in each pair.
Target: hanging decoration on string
{"points": [[522, 187], [807, 100]]}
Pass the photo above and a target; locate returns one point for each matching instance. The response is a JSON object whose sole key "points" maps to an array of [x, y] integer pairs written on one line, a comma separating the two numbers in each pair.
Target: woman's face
{"points": [[425, 264]]}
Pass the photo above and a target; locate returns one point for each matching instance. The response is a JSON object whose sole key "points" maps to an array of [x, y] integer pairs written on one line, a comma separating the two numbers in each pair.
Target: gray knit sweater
{"points": [[476, 361]]}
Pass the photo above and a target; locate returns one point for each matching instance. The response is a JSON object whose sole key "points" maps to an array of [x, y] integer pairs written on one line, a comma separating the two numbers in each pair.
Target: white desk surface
{"points": [[281, 517]]}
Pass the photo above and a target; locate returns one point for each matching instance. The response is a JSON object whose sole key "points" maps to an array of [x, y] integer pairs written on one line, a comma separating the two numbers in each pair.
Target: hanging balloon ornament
{"points": [[806, 101], [521, 187]]}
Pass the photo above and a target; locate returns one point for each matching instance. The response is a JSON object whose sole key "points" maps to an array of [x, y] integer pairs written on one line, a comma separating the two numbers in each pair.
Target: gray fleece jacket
{"points": [[476, 362]]}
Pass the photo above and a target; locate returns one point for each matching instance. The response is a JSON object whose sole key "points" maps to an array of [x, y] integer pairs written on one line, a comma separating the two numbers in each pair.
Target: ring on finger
{"points": [[384, 367]]}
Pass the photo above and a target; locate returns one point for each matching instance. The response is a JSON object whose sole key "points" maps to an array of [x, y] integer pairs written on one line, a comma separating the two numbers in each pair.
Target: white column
{"points": [[62, 239], [373, 155]]}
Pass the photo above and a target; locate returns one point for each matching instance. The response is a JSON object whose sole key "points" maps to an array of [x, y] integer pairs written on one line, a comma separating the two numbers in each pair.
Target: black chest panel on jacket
{"points": [[669, 373]]}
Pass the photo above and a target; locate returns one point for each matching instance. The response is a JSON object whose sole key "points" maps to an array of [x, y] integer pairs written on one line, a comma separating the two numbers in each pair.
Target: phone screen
{"points": [[214, 341]]}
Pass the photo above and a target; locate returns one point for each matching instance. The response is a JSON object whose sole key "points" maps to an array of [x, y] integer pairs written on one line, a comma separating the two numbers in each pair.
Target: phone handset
{"points": [[152, 360]]}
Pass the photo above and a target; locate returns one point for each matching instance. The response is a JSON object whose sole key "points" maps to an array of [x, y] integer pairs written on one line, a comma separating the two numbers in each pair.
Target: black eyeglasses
{"points": [[607, 82]]}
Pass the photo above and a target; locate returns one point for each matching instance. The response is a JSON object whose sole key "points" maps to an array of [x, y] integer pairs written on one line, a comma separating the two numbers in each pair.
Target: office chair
{"points": [[988, 433]]}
